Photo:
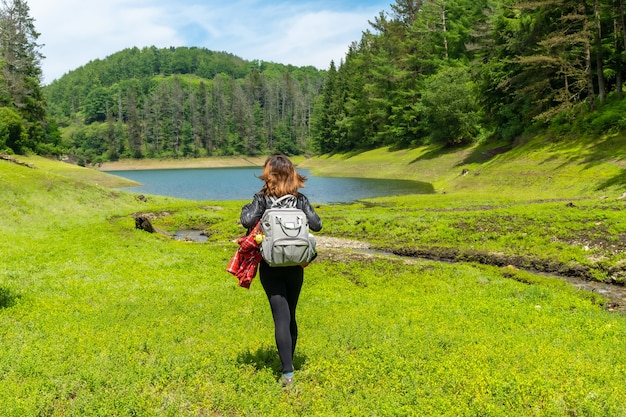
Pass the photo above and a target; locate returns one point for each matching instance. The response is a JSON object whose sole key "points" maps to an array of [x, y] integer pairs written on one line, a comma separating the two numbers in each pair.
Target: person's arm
{"points": [[315, 223], [252, 212]]}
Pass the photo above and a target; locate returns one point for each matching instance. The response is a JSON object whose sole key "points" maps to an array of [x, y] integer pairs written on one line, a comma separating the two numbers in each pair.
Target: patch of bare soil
{"points": [[339, 243], [143, 164], [340, 249]]}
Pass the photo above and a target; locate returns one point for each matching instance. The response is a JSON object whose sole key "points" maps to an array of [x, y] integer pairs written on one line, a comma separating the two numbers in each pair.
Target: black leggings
{"points": [[282, 286]]}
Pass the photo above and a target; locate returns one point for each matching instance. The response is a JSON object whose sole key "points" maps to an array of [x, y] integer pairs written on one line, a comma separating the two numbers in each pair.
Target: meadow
{"points": [[98, 318]]}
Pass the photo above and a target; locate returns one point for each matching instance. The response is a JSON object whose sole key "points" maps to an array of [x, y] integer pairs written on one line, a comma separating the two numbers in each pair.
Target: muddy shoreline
{"points": [[215, 162]]}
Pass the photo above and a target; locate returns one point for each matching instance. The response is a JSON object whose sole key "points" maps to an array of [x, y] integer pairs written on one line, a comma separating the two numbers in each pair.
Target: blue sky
{"points": [[304, 32]]}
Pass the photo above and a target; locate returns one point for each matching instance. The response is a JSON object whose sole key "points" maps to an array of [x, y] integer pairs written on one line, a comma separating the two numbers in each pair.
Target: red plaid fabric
{"points": [[245, 263]]}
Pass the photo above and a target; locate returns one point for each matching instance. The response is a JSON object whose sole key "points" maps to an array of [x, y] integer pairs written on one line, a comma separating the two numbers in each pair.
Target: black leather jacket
{"points": [[252, 212]]}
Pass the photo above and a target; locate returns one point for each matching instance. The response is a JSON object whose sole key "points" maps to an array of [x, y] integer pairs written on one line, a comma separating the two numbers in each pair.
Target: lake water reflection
{"points": [[241, 183]]}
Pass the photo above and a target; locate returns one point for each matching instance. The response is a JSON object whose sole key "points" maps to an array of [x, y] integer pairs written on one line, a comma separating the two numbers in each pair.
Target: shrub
{"points": [[12, 131], [449, 107]]}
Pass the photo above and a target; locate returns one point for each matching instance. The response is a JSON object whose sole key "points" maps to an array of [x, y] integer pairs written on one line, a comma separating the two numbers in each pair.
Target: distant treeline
{"points": [[183, 102]]}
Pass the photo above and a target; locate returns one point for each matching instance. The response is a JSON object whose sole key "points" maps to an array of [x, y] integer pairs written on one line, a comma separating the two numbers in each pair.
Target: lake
{"points": [[241, 183]]}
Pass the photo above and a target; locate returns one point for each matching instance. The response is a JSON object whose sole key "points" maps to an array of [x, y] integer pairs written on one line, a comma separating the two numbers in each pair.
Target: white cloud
{"points": [[75, 32], [316, 38]]}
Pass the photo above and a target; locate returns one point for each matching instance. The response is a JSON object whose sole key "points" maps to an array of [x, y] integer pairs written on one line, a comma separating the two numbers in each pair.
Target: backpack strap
{"points": [[288, 200]]}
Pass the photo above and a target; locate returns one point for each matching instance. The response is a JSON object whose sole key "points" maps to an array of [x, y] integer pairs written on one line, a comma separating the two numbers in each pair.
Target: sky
{"points": [[296, 32]]}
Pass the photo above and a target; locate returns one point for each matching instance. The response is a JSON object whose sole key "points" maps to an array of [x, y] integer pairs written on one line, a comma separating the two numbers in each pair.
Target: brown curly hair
{"points": [[280, 176]]}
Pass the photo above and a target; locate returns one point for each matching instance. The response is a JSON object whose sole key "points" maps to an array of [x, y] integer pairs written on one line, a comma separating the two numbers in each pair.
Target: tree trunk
{"points": [[617, 51], [599, 64], [622, 21], [587, 45], [445, 28], [620, 67]]}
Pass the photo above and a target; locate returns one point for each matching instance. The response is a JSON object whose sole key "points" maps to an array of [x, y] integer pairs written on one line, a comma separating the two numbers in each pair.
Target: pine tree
{"points": [[325, 116], [133, 123], [619, 43], [20, 72], [559, 71]]}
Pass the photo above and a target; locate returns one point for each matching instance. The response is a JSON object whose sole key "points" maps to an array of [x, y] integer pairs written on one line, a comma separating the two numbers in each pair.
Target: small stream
{"points": [[616, 294], [190, 235]]}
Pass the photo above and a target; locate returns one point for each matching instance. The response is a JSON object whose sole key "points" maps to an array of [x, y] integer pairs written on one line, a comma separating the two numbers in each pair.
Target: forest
{"points": [[448, 72], [183, 102], [457, 71]]}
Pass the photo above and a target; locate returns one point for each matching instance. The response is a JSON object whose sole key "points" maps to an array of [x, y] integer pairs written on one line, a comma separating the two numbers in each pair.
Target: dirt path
{"points": [[339, 243]]}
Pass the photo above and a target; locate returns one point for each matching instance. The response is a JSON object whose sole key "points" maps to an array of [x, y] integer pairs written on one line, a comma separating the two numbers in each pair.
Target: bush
{"points": [[449, 107], [611, 120], [12, 131]]}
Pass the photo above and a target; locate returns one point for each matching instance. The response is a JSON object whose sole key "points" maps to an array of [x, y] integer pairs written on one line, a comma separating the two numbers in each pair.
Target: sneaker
{"points": [[287, 379]]}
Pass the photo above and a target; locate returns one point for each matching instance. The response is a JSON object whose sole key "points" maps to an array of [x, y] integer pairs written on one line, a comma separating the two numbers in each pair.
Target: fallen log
{"points": [[9, 158]]}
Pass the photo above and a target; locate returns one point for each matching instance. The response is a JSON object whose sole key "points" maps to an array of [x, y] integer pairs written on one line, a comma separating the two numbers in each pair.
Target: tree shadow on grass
{"points": [[485, 153], [267, 358], [7, 298], [588, 152], [618, 180], [434, 153], [474, 154]]}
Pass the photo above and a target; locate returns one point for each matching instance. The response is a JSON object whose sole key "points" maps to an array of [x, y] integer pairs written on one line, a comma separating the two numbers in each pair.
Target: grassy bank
{"points": [[98, 318], [554, 207], [538, 169]]}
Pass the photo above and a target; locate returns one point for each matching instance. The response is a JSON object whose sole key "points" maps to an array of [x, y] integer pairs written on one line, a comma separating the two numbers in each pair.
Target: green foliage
{"points": [[380, 96], [608, 119], [20, 81], [12, 131], [187, 102], [449, 107], [326, 113], [100, 319], [611, 121], [96, 105], [526, 64]]}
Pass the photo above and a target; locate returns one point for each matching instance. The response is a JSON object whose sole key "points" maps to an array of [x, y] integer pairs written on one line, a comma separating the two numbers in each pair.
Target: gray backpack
{"points": [[287, 240]]}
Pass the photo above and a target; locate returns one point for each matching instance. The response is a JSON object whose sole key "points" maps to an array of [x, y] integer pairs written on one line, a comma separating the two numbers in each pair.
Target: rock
{"points": [[143, 222]]}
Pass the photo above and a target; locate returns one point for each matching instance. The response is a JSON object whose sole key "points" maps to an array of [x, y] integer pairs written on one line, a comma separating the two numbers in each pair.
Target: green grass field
{"points": [[100, 319]]}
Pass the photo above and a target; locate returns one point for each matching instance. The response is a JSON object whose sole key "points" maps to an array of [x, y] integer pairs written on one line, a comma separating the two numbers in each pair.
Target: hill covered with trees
{"points": [[183, 102]]}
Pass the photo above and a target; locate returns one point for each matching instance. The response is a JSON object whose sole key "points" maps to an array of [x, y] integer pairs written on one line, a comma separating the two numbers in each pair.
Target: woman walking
{"points": [[282, 285]]}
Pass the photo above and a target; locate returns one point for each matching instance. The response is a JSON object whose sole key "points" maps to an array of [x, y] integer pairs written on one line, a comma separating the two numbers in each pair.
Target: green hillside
{"points": [[182, 102], [537, 169], [99, 318]]}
